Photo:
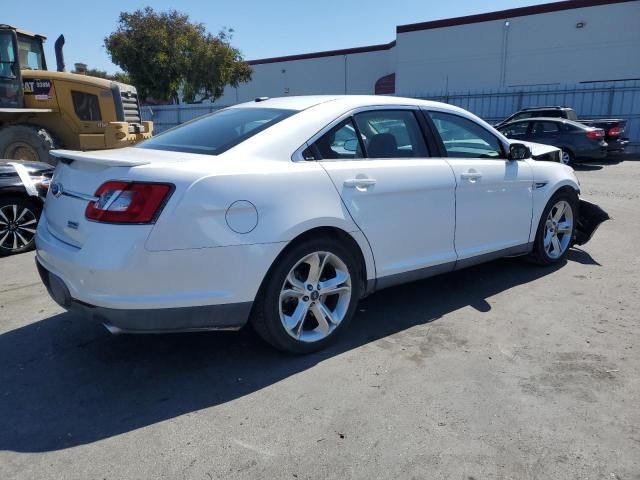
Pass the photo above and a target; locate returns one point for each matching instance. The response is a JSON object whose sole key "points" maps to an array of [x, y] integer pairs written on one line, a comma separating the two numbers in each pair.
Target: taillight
{"points": [[596, 134], [615, 131], [128, 202]]}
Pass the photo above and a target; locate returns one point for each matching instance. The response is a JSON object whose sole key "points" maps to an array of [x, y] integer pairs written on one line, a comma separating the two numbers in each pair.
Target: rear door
{"points": [[546, 132], [400, 197], [493, 195]]}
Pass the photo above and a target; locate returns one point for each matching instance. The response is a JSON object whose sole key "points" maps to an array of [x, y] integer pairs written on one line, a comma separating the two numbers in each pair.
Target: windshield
{"points": [[216, 133], [30, 52]]}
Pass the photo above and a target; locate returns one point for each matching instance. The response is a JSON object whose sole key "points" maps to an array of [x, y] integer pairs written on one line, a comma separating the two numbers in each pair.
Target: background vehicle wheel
{"points": [[27, 143], [567, 157], [309, 296], [556, 229], [18, 220]]}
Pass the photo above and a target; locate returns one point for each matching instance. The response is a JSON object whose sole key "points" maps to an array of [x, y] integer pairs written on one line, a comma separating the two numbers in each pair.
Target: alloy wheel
{"points": [[566, 157], [315, 297], [17, 227], [558, 229]]}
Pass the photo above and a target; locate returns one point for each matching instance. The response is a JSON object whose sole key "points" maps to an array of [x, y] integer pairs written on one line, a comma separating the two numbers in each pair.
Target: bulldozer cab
{"points": [[19, 50], [41, 110]]}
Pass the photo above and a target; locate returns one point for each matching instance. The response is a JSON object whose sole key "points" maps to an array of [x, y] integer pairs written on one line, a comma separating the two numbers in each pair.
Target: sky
{"points": [[268, 28]]}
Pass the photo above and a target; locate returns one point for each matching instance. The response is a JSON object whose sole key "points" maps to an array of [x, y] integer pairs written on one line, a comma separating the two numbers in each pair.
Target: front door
{"points": [[494, 196]]}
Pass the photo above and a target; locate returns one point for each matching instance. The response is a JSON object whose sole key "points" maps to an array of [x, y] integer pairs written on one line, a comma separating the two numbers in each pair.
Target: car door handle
{"points": [[359, 182], [471, 175]]}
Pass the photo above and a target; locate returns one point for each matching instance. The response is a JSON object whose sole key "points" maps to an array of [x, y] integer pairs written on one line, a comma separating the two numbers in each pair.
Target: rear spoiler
{"points": [[96, 158]]}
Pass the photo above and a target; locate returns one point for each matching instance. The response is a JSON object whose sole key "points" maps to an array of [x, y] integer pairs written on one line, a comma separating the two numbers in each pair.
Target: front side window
{"points": [[86, 106], [216, 133], [463, 138], [391, 134], [519, 128]]}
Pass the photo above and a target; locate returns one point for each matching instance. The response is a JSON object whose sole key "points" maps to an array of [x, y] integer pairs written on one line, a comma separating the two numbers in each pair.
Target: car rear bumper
{"points": [[229, 316], [617, 145], [596, 153], [130, 289]]}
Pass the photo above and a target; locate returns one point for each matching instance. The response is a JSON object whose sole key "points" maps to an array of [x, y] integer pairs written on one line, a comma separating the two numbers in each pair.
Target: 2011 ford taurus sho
{"points": [[283, 213]]}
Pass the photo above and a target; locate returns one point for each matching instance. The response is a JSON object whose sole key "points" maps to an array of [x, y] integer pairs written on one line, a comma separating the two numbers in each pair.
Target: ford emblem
{"points": [[56, 189]]}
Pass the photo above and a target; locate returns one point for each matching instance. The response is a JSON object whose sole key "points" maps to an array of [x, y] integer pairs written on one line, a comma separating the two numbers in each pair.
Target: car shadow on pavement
{"points": [[64, 381]]}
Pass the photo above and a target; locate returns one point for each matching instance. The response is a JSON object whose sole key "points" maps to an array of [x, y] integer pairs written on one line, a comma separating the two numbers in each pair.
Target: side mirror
{"points": [[518, 151]]}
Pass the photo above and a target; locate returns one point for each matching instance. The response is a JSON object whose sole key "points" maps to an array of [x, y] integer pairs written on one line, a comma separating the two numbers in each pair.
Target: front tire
{"points": [[556, 229], [18, 219], [27, 143], [309, 296]]}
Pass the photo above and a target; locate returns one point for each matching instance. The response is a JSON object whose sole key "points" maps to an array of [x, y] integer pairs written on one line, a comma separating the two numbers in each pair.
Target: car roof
{"points": [[549, 107], [548, 119], [341, 101]]}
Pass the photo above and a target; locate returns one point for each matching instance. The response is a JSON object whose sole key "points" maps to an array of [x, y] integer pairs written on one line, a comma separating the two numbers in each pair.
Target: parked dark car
{"points": [[613, 127], [577, 141], [23, 188]]}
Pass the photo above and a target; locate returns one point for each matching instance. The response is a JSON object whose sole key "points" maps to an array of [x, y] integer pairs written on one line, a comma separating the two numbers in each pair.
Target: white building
{"points": [[556, 43]]}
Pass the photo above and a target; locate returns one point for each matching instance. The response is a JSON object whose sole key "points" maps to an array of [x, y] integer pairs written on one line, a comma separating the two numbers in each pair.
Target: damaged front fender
{"points": [[590, 216]]}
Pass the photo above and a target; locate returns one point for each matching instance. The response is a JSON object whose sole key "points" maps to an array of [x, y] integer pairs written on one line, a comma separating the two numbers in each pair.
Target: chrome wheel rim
{"points": [[566, 158], [315, 297], [558, 229], [17, 227]]}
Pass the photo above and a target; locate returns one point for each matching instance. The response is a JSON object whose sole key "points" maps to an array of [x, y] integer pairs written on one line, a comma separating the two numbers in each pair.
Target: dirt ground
{"points": [[505, 370]]}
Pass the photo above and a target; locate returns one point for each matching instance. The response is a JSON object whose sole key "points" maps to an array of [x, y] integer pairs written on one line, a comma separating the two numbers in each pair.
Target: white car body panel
{"points": [[494, 201], [231, 215], [401, 184]]}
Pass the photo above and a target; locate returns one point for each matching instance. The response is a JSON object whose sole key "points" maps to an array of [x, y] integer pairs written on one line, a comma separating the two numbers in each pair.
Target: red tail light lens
{"points": [[615, 131], [128, 202], [596, 134]]}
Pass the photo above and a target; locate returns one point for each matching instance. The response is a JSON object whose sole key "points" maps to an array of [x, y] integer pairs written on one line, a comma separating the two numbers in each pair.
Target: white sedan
{"points": [[283, 213]]}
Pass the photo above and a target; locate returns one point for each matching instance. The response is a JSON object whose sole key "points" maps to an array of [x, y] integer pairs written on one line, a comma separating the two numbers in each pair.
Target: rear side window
{"points": [[341, 142], [548, 113], [391, 134], [216, 133], [86, 106], [521, 116], [463, 138], [546, 127]]}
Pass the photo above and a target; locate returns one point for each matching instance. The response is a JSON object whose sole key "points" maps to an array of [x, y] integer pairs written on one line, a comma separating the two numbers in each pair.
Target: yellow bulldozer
{"points": [[41, 109]]}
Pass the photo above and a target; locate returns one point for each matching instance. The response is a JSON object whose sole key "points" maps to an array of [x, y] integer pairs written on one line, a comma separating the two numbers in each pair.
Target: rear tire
{"points": [[27, 143], [309, 296], [556, 229], [18, 220]]}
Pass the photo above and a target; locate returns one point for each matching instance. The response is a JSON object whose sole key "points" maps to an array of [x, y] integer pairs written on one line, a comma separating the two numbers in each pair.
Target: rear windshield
{"points": [[216, 133]]}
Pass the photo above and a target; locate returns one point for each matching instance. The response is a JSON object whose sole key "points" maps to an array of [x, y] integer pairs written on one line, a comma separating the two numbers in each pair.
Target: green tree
{"points": [[122, 78], [94, 72], [164, 51]]}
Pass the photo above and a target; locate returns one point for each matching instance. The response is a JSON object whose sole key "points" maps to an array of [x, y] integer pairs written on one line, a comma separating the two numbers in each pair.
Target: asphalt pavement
{"points": [[504, 370]]}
